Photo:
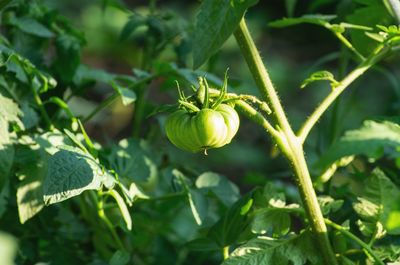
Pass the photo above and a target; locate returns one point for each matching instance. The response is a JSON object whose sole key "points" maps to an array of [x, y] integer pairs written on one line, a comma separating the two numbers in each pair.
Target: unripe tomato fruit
{"points": [[202, 130]]}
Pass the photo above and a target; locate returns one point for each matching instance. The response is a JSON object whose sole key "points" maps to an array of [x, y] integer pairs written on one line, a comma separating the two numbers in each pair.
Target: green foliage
{"points": [[76, 190], [379, 199], [370, 140], [296, 249], [318, 76], [215, 22]]}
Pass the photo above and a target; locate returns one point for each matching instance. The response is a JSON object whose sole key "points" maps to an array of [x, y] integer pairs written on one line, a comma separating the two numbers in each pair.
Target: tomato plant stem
{"points": [[288, 142], [255, 116], [351, 236], [324, 105]]}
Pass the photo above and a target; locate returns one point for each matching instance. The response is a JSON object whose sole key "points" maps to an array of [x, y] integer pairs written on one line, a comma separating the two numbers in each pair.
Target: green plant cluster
{"points": [[66, 198]]}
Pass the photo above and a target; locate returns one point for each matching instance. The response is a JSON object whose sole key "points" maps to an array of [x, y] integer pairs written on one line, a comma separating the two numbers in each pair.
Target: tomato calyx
{"points": [[202, 99]]}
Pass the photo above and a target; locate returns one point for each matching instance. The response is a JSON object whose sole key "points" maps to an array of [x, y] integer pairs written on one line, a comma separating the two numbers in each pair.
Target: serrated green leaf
{"points": [[380, 197], [226, 191], [131, 159], [70, 172], [32, 154], [13, 64], [271, 220], [328, 204], [369, 140], [68, 57], [271, 214], [215, 22], [296, 250], [322, 20], [319, 76]]}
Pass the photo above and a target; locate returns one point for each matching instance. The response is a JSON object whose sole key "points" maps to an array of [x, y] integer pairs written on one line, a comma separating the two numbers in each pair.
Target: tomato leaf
{"points": [[132, 160], [226, 191], [379, 198], [233, 223], [296, 249], [369, 140], [70, 172], [215, 22], [319, 76]]}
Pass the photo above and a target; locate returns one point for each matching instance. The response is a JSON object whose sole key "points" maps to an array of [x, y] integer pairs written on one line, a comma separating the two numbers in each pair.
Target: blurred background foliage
{"points": [[291, 54], [134, 38]]}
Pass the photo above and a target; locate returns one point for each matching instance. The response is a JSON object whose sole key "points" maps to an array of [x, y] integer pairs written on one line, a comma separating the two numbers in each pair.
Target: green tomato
{"points": [[202, 130]]}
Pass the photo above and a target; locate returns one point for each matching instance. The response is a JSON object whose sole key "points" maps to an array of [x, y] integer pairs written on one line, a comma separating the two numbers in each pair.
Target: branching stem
{"points": [[324, 105], [288, 142]]}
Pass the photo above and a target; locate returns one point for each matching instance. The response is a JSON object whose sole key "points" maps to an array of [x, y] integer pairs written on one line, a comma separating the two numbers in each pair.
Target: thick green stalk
{"points": [[260, 74], [288, 142]]}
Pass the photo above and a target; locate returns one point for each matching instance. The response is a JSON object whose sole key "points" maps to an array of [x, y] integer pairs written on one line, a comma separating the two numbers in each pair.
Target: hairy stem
{"points": [[287, 141], [260, 74], [324, 105], [255, 116], [353, 237]]}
